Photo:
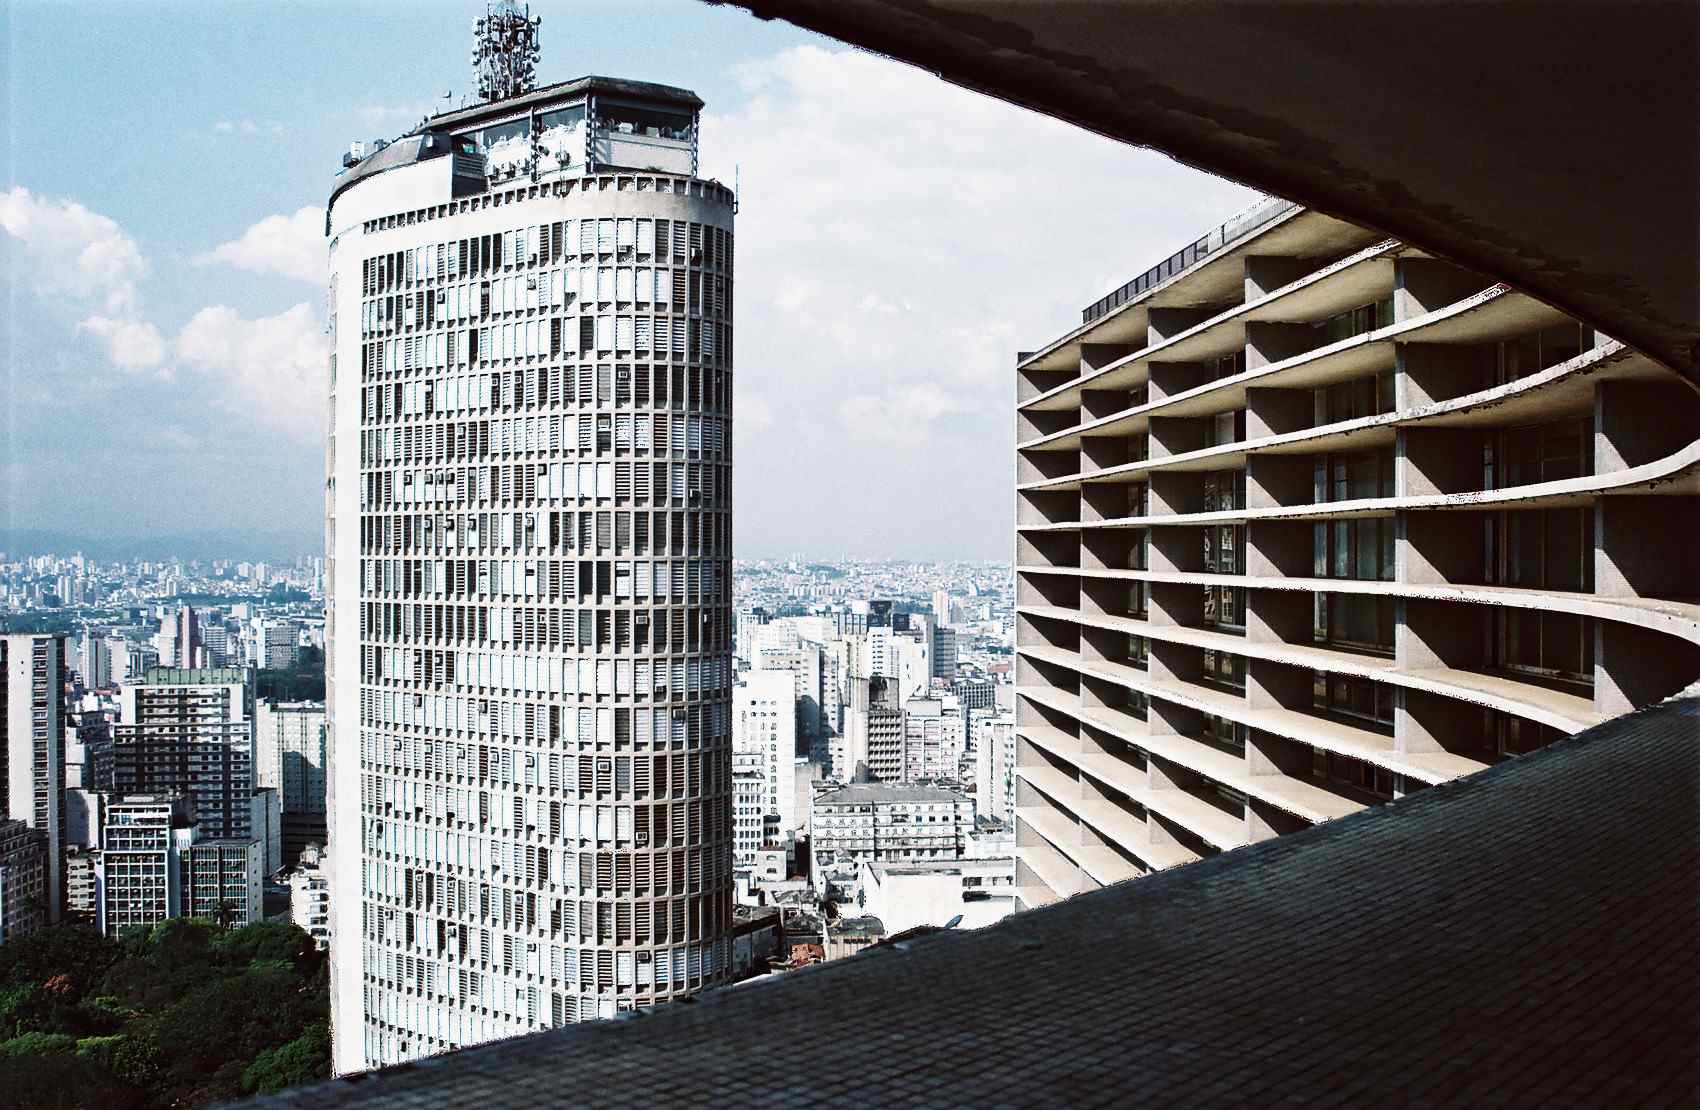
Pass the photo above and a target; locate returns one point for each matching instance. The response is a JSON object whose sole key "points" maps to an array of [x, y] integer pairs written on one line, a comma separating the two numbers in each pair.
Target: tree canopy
{"points": [[179, 1015]]}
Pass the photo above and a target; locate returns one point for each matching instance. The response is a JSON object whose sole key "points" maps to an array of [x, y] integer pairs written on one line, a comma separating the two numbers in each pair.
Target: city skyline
{"points": [[845, 444]]}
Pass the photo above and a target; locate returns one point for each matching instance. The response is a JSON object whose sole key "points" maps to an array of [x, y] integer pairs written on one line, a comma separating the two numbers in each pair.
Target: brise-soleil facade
{"points": [[1308, 521], [529, 529]]}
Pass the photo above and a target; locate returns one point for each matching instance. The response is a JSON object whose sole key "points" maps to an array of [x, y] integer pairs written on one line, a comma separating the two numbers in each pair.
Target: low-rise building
{"points": [[976, 892], [310, 896], [878, 822], [23, 880]]}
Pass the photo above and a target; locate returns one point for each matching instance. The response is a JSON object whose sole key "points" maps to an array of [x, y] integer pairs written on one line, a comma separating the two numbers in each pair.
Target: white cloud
{"points": [[247, 127], [131, 344], [73, 251], [899, 239], [269, 369], [292, 246]]}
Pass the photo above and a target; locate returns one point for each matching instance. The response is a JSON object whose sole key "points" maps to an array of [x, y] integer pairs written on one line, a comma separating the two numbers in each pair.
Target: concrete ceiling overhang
{"points": [[1555, 146]]}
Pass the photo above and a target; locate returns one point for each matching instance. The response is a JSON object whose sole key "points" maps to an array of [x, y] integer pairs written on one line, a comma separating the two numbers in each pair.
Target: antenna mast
{"points": [[505, 50]]}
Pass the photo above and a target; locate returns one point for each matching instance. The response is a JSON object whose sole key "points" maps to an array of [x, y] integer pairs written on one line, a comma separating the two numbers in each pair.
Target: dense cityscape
{"points": [[187, 757], [1343, 666]]}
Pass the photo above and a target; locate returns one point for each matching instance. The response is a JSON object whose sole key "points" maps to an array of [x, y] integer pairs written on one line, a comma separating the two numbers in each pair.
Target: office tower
{"points": [[32, 747], [873, 733], [310, 896], [140, 869], [184, 631], [941, 608], [764, 723], [219, 880], [944, 653], [290, 757], [802, 660], [94, 660], [927, 751], [276, 644], [749, 806], [994, 775], [530, 623], [189, 731], [23, 879], [1309, 521]]}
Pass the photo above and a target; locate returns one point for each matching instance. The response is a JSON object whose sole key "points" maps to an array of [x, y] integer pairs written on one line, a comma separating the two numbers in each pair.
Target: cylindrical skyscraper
{"points": [[529, 531]]}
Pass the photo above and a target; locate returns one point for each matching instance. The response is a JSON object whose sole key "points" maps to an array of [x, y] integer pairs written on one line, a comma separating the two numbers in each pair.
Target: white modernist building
{"points": [[764, 724], [529, 526]]}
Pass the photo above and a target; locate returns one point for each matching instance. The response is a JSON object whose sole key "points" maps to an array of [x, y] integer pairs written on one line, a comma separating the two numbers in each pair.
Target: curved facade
{"points": [[1308, 520], [530, 525]]}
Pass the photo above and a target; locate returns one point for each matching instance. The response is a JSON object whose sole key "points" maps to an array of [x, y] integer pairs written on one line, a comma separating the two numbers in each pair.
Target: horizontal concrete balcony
{"points": [[1106, 818], [1100, 864], [1497, 312], [1355, 280], [1216, 279], [1566, 712]]}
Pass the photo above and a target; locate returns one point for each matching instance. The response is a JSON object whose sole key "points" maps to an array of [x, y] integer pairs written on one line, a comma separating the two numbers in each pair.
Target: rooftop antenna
{"points": [[505, 50]]}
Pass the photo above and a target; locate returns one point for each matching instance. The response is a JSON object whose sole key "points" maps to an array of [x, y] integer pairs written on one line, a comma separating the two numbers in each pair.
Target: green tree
{"points": [[306, 1058]]}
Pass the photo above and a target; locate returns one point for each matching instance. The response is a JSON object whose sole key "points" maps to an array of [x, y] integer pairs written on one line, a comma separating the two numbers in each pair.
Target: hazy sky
{"points": [[161, 240]]}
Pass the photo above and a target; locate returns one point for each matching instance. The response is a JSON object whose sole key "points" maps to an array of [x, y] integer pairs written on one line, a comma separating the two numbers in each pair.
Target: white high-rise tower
{"points": [[529, 539]]}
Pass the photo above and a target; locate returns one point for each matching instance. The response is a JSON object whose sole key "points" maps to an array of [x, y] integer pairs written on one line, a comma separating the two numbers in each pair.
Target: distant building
{"points": [[289, 755], [220, 880], [32, 746], [82, 885], [310, 896], [749, 808], [932, 892], [189, 731], [994, 779], [927, 749], [138, 874], [276, 644], [23, 879], [872, 750], [764, 723], [944, 652], [185, 638], [876, 822]]}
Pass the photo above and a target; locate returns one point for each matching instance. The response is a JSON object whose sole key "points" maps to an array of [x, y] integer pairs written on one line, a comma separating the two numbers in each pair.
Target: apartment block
{"points": [[34, 670], [189, 731], [529, 637], [1309, 520], [23, 879], [874, 822], [290, 757]]}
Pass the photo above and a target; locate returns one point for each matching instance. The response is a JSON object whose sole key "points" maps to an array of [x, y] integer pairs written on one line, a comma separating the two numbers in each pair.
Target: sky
{"points": [[899, 239]]}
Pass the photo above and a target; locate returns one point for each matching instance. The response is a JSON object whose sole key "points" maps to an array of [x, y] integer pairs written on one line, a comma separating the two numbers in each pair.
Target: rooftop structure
{"points": [[1514, 943]]}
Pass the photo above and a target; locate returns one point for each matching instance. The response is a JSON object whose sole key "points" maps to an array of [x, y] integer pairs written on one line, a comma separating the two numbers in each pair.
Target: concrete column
{"points": [[1033, 423], [1103, 501], [1271, 685], [1168, 719], [1280, 548], [1647, 546], [1172, 662], [1044, 506], [1168, 379], [1177, 548], [1095, 404], [1425, 722], [1176, 604], [1280, 617], [1424, 285], [1266, 343], [1166, 323], [1047, 549], [1096, 356], [1437, 460], [1107, 596], [1102, 644], [1176, 435], [1274, 481], [1438, 548], [1174, 492], [1265, 273], [1030, 383], [1106, 548], [1062, 590], [1634, 666], [1432, 634], [1273, 412], [1046, 631], [1102, 452], [1427, 373], [1640, 422], [1032, 465], [1266, 822]]}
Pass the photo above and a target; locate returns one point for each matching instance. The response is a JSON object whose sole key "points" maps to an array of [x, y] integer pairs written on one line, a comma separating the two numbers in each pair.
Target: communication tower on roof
{"points": [[505, 50]]}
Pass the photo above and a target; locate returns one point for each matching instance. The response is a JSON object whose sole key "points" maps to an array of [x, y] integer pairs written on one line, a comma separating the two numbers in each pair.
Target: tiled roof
{"points": [[1523, 936]]}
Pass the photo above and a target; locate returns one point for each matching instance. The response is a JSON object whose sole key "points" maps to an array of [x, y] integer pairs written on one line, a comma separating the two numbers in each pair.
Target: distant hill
{"points": [[216, 544]]}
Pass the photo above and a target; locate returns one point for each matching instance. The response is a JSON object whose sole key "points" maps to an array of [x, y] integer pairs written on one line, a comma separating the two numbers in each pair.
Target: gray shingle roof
{"points": [[1524, 936]]}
